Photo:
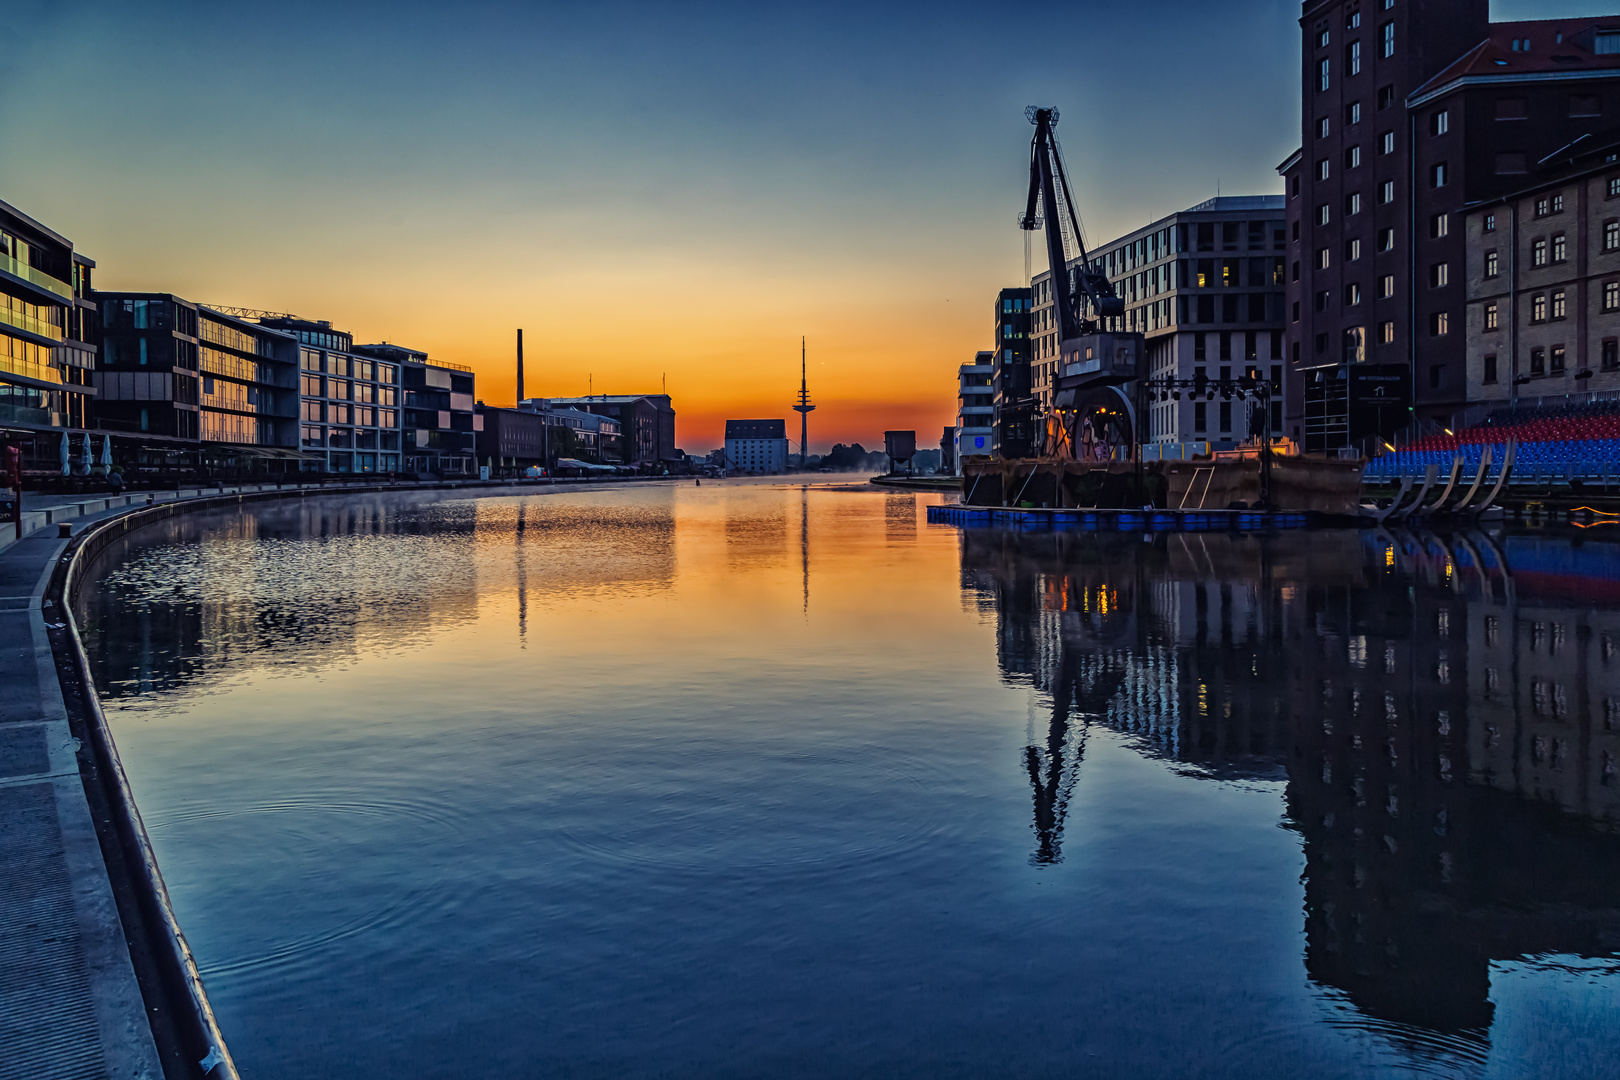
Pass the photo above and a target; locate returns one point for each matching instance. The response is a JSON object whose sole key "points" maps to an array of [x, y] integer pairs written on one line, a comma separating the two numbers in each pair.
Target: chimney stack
{"points": [[520, 368]]}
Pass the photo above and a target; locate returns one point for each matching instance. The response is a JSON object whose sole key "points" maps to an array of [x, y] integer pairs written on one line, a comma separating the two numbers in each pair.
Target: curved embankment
{"points": [[188, 1039]]}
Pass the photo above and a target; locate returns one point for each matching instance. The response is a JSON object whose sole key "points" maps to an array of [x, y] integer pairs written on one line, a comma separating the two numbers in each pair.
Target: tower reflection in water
{"points": [[1445, 711]]}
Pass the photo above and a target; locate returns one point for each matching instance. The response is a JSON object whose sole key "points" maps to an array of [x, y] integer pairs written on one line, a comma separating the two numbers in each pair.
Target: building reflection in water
{"points": [[189, 597], [1445, 711]]}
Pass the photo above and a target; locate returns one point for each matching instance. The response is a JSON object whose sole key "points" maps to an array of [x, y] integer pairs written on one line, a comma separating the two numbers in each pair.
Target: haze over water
{"points": [[759, 779]]}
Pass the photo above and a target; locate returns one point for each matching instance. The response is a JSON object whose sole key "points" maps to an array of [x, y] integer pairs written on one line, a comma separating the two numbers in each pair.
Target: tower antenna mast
{"points": [[804, 409]]}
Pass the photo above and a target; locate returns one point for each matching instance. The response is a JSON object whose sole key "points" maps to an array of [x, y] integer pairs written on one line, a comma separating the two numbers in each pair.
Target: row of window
{"points": [[1545, 361], [342, 413], [1553, 306]]}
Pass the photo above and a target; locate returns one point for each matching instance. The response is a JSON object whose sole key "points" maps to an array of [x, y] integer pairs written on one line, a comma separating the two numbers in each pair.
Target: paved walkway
{"points": [[69, 1002]]}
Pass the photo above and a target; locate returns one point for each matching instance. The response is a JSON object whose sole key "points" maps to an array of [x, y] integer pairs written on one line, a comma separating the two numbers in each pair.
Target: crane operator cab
{"points": [[1095, 359]]}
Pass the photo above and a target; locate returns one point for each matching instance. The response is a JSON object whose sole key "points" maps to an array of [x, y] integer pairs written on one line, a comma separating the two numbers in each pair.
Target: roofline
{"points": [[1421, 98], [1551, 181], [245, 324], [1291, 160], [46, 229]]}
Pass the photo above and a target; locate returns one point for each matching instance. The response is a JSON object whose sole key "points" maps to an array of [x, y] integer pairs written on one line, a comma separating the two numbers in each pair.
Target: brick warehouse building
{"points": [[1412, 110]]}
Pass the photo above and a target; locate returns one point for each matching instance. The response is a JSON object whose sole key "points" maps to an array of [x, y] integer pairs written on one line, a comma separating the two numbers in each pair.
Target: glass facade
{"points": [[341, 395]]}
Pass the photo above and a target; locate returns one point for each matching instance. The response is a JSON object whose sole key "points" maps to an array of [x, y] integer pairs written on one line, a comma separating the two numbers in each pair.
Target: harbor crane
{"points": [[1090, 357]]}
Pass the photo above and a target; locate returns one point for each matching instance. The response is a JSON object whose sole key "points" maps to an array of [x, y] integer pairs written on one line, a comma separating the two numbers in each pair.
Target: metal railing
{"points": [[36, 277]]}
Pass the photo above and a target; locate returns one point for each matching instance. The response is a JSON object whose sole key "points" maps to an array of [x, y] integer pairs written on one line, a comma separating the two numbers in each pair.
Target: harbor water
{"points": [[769, 779]]}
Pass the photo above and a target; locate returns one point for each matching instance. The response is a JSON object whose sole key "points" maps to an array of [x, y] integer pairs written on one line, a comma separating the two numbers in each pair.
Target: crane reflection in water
{"points": [[1444, 710]]}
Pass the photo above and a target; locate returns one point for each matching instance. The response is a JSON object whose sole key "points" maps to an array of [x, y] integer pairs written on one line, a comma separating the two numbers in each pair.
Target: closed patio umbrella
{"points": [[89, 455], [67, 460], [106, 450]]}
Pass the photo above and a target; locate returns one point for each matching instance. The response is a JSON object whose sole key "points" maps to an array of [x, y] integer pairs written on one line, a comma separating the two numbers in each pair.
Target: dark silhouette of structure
{"points": [[804, 409]]}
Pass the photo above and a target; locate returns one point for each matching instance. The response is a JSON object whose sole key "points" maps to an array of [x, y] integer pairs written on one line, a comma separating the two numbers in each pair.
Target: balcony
{"points": [[36, 277], [30, 324]]}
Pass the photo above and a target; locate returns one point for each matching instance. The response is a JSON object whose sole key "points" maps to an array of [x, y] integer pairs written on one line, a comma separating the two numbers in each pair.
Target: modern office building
{"points": [[248, 392], [1205, 287], [975, 408], [756, 446], [438, 415], [1543, 286], [646, 426], [1412, 111], [47, 331], [349, 402], [148, 382], [1011, 399]]}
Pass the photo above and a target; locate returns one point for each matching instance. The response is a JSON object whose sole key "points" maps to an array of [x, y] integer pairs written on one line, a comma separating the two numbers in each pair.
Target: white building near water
{"points": [[757, 447], [975, 408]]}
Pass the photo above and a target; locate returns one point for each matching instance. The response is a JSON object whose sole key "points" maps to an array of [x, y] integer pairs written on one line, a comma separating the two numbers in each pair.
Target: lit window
{"points": [[1323, 169], [1387, 285], [1611, 296], [1558, 204], [1541, 207], [1439, 175], [1439, 275], [1490, 264], [1352, 294], [1440, 123], [1352, 158], [1353, 58], [1386, 143], [1352, 250], [1490, 317], [1386, 333], [1386, 192], [1322, 214], [1538, 253], [1322, 259], [1352, 204], [1611, 236], [1386, 239], [1439, 324], [1558, 247], [1439, 225], [1538, 309], [1558, 304]]}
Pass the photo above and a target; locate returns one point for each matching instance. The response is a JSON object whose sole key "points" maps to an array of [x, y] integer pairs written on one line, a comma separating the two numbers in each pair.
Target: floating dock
{"points": [[1117, 520]]}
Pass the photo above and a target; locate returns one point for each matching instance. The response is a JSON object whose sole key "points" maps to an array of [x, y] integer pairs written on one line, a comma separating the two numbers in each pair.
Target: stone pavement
{"points": [[70, 1005]]}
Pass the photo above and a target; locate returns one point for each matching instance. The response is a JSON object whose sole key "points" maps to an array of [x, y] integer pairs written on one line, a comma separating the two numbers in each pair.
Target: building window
{"points": [[1352, 157], [1323, 169], [1352, 250], [1352, 58], [1439, 225], [1322, 78], [1439, 324], [1386, 239], [1386, 192], [1386, 143], [1200, 416], [1352, 294], [1440, 122], [1558, 204], [1538, 361], [1558, 303], [1439, 175], [1322, 128], [1490, 264], [1538, 309], [1321, 343], [1439, 275], [1354, 20], [1386, 332], [1557, 360], [1352, 114], [1614, 187], [1542, 207], [1322, 259], [1322, 214], [1611, 236], [1388, 31], [1322, 38], [1490, 368], [1386, 286], [1386, 96], [1355, 345], [1296, 266], [1352, 203], [1324, 300], [1611, 354], [1490, 223], [1437, 376], [1538, 253], [1490, 317], [1611, 296], [1558, 248]]}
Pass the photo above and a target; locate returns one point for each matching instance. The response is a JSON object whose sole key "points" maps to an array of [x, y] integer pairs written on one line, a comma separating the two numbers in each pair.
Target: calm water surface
{"points": [[753, 780]]}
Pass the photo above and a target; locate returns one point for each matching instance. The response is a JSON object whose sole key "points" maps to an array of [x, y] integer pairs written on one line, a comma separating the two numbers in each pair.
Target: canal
{"points": [[758, 779]]}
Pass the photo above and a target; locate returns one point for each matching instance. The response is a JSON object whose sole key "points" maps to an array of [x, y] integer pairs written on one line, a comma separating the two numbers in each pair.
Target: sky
{"points": [[658, 194]]}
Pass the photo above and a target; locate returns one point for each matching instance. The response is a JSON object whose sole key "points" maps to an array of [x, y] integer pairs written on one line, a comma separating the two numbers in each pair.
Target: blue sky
{"points": [[646, 189]]}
